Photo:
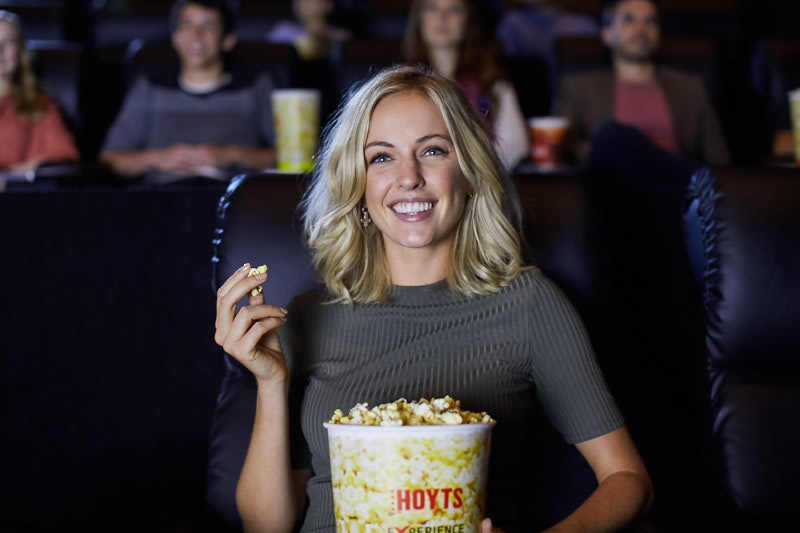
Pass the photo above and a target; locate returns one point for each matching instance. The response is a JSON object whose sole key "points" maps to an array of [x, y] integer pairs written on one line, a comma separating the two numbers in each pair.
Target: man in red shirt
{"points": [[669, 107]]}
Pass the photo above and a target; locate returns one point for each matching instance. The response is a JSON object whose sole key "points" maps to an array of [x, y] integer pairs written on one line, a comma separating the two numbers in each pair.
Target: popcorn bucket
{"points": [[296, 116], [409, 479]]}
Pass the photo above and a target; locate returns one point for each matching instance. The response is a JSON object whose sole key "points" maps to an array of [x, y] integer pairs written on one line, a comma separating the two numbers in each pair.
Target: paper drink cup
{"points": [[794, 104], [548, 135], [296, 116], [397, 479]]}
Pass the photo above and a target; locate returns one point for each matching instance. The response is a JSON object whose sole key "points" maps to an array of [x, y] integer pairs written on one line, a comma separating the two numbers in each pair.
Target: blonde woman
{"points": [[31, 128], [425, 294]]}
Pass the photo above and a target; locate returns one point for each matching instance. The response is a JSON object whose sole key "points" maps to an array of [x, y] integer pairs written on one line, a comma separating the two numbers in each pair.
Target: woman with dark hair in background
{"points": [[31, 129], [446, 35]]}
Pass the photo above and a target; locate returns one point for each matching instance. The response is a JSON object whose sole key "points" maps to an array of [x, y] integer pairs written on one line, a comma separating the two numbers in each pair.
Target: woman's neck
{"points": [[444, 61], [420, 266]]}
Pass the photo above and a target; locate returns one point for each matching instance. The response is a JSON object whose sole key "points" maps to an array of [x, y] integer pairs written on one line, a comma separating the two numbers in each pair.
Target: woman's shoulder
{"points": [[533, 288], [530, 278]]}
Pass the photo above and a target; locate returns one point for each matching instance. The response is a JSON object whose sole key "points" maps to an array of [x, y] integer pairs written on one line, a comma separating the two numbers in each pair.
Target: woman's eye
{"points": [[434, 150], [379, 158]]}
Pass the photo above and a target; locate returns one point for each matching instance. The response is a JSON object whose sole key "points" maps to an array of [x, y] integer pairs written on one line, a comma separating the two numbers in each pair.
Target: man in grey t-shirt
{"points": [[205, 122]]}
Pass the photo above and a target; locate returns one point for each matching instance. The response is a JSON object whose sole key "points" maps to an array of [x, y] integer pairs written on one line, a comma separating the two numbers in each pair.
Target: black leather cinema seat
{"points": [[743, 229], [257, 223], [58, 65]]}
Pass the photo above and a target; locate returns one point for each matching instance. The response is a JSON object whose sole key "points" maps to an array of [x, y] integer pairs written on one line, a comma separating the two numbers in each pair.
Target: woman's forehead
{"points": [[406, 116]]}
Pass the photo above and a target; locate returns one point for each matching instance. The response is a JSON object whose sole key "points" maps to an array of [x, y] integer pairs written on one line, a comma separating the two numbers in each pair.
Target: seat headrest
{"points": [[746, 228]]}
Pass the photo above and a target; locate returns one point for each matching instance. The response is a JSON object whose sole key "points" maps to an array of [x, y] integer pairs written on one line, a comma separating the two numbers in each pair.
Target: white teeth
{"points": [[412, 208]]}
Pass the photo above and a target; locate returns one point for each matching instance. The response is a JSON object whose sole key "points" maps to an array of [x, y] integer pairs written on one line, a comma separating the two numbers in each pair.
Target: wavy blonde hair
{"points": [[28, 96], [486, 253]]}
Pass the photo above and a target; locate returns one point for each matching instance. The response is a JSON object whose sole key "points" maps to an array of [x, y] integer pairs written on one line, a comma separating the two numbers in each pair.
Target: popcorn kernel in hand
{"points": [[253, 272]]}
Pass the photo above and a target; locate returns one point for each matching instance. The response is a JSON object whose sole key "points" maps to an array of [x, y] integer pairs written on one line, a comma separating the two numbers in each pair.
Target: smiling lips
{"points": [[413, 210]]}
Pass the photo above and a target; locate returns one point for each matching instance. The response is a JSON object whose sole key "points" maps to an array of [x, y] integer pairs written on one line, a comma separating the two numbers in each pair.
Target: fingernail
{"points": [[261, 276], [244, 266], [284, 310]]}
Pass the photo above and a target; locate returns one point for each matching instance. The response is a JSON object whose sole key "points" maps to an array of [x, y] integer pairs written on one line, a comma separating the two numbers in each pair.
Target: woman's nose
{"points": [[410, 174]]}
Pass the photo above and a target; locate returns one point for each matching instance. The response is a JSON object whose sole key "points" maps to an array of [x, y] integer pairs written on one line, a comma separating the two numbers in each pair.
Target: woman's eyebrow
{"points": [[418, 141], [433, 136], [379, 143]]}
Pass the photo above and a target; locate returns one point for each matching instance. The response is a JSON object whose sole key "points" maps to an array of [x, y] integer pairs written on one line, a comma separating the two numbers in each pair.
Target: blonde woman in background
{"points": [[425, 294], [31, 129], [446, 35]]}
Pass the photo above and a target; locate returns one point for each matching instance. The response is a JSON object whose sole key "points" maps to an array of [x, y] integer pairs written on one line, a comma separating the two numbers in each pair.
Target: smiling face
{"points": [[415, 191], [633, 34], [9, 50], [443, 23], [199, 38]]}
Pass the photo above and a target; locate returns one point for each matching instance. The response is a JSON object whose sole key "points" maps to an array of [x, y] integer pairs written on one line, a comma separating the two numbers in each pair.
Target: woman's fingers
{"points": [[226, 304], [258, 299], [256, 332], [240, 273], [252, 313]]}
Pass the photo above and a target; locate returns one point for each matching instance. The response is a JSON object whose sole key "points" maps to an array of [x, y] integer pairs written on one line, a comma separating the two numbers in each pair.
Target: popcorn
{"points": [[254, 272], [413, 467], [436, 411]]}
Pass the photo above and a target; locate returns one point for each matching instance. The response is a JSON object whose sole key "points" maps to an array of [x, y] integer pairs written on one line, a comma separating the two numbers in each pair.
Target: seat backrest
{"points": [[361, 58], [742, 231], [58, 67], [784, 56], [698, 56], [158, 58], [258, 223], [40, 20]]}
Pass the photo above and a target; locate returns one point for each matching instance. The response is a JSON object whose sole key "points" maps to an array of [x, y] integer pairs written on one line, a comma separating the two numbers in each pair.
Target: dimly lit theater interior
{"points": [[643, 155]]}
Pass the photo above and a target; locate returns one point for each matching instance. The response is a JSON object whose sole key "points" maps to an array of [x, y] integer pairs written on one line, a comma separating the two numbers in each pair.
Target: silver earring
{"points": [[366, 220]]}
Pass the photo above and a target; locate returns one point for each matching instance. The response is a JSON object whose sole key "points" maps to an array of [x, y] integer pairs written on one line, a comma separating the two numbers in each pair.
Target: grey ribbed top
{"points": [[517, 354]]}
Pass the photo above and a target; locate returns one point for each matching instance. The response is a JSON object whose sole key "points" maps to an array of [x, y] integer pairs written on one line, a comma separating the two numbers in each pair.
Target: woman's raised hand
{"points": [[249, 335]]}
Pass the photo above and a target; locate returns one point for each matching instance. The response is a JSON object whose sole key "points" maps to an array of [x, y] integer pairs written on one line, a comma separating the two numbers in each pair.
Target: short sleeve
{"points": [[129, 130], [289, 335], [51, 140], [569, 382]]}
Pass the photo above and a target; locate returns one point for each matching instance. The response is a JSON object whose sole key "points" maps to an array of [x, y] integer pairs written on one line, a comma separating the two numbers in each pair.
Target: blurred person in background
{"points": [[32, 131], [310, 33], [670, 108], [446, 35], [206, 122]]}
